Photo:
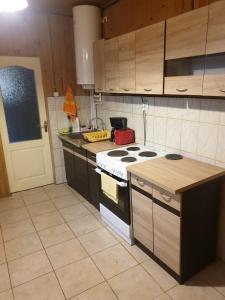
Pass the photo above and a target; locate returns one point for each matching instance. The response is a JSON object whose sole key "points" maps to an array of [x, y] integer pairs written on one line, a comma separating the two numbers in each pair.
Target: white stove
{"points": [[116, 161]]}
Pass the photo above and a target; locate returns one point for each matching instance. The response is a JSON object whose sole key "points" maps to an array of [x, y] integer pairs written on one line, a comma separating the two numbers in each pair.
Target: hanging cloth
{"points": [[70, 106]]}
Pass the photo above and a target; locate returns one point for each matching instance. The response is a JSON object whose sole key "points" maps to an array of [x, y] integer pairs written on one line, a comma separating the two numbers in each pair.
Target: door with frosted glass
{"points": [[23, 123]]}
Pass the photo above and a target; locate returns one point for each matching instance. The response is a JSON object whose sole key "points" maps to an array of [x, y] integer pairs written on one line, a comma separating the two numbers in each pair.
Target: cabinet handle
{"points": [[147, 90], [111, 89], [182, 90], [166, 197], [98, 89], [126, 90], [222, 91], [140, 182]]}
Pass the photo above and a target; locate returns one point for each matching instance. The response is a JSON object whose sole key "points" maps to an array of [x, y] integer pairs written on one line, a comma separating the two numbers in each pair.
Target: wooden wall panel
{"points": [[4, 187]]}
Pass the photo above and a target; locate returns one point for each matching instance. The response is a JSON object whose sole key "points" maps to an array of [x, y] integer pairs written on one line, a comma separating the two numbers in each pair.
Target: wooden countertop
{"points": [[100, 146], [176, 176]]}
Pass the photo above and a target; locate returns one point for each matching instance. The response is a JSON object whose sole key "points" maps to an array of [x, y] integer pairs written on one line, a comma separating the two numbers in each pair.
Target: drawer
{"points": [[141, 183], [171, 200], [183, 85]]}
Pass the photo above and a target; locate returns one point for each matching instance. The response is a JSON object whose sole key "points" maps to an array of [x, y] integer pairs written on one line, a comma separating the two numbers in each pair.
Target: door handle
{"points": [[222, 91], [45, 126]]}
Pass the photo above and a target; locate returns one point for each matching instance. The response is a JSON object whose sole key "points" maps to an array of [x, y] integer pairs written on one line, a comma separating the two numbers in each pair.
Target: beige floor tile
{"points": [[162, 277], [15, 230], [78, 277], [4, 278], [7, 295], [43, 288], [47, 220], [2, 254], [73, 212], [136, 252], [41, 208], [84, 225], [135, 284], [22, 246], [113, 261], [1, 238], [99, 292], [90, 207], [29, 267], [163, 297], [35, 198], [60, 190], [65, 201], [66, 253], [97, 240], [99, 218], [115, 234], [13, 216], [214, 274], [32, 191], [10, 203], [55, 235]]}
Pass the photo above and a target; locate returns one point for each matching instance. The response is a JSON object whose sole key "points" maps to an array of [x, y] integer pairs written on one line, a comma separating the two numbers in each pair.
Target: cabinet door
{"points": [[127, 63], [94, 185], [142, 219], [167, 237], [150, 59], [216, 28], [186, 34], [81, 176], [111, 55], [69, 166], [183, 85], [99, 73]]}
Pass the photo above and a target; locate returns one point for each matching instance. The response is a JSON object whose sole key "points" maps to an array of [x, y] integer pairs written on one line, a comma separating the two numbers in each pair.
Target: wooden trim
{"points": [[4, 184], [146, 194], [167, 207]]}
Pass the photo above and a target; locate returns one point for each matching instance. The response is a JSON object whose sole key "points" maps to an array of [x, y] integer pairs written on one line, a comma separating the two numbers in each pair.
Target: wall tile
{"points": [[137, 125], [149, 129], [159, 136], [151, 105], [220, 152], [51, 104], [161, 107], [210, 111], [173, 138], [175, 107], [191, 111], [189, 136], [222, 112], [53, 120], [137, 105], [207, 140], [59, 102]]}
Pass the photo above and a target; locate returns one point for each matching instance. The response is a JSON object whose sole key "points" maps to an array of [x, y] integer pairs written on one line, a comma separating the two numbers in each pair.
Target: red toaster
{"points": [[124, 136]]}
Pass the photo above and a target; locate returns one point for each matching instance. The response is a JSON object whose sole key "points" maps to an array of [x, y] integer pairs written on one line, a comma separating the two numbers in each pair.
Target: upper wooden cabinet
{"points": [[99, 66], [150, 59], [186, 34], [126, 52], [216, 28], [111, 55]]}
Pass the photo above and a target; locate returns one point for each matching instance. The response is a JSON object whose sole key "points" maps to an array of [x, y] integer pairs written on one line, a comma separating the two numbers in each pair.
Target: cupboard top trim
{"points": [[176, 176]]}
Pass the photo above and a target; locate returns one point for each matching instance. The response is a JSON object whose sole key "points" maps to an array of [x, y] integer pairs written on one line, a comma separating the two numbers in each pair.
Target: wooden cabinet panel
{"points": [[126, 48], [183, 85], [150, 59], [99, 66], [111, 54], [142, 219], [214, 85], [141, 184], [186, 34], [167, 237], [167, 198], [216, 28]]}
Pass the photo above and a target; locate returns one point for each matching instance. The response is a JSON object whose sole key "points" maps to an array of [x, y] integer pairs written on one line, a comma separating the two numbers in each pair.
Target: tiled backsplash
{"points": [[191, 126], [58, 120]]}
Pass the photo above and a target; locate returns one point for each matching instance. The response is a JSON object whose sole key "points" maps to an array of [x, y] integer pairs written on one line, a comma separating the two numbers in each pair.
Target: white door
{"points": [[23, 123]]}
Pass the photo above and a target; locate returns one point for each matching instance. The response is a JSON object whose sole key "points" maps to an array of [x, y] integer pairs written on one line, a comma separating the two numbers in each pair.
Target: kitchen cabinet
{"points": [[111, 54], [99, 67], [126, 55], [68, 151], [94, 180], [172, 229], [150, 59]]}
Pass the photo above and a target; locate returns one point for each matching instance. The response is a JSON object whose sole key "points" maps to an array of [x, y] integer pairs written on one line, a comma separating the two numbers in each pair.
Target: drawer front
{"points": [[173, 201], [142, 219], [68, 145], [167, 237], [81, 151], [183, 85], [141, 184], [91, 156], [214, 85]]}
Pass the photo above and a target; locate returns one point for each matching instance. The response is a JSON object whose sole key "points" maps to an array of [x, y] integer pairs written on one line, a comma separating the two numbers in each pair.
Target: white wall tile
{"points": [[173, 138], [51, 104], [191, 111], [161, 107], [220, 152], [210, 111], [175, 107], [149, 129], [189, 136], [222, 112], [53, 120], [207, 140], [137, 125], [137, 105], [159, 136]]}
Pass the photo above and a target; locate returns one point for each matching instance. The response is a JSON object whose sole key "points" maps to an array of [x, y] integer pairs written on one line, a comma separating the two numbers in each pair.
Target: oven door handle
{"points": [[120, 183]]}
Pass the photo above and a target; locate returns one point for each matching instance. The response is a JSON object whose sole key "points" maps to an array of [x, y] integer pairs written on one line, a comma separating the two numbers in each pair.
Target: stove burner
{"points": [[133, 148], [174, 156], [117, 153], [147, 154], [128, 159]]}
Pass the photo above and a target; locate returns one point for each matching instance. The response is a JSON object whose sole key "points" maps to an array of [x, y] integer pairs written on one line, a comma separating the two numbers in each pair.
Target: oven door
{"points": [[122, 208]]}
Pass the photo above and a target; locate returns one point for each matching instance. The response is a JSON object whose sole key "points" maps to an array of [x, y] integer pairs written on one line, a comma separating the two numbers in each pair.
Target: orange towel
{"points": [[70, 106]]}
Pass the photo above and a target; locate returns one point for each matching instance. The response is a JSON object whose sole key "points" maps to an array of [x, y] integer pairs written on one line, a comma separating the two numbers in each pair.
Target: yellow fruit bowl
{"points": [[97, 136]]}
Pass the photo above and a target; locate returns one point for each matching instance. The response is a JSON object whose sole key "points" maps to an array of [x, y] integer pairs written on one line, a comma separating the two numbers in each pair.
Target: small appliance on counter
{"points": [[120, 134]]}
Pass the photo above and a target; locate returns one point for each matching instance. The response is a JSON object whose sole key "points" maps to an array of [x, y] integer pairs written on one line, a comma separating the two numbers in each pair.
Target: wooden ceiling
{"points": [[63, 6]]}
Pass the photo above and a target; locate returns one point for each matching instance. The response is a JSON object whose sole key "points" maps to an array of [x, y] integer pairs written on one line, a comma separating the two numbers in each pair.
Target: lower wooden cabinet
{"points": [[142, 219], [167, 237]]}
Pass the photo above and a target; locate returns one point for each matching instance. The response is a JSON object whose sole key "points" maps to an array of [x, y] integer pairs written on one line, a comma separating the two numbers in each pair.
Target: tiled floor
{"points": [[54, 246]]}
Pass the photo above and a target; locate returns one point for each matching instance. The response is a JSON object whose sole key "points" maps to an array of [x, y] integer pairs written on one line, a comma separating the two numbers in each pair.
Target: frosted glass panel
{"points": [[20, 104]]}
